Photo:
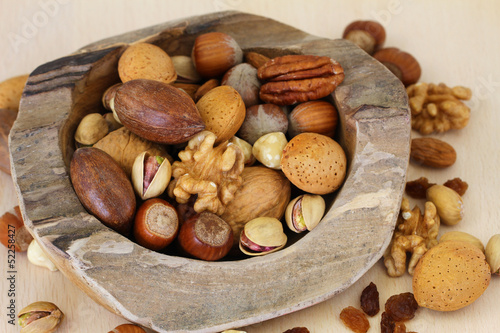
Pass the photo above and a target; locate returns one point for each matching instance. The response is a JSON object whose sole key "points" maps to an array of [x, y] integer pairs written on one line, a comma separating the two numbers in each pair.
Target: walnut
{"points": [[211, 173], [438, 108], [415, 233]]}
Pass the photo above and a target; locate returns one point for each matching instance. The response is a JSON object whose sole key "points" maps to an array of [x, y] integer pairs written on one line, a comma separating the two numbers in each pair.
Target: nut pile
{"points": [[203, 152]]}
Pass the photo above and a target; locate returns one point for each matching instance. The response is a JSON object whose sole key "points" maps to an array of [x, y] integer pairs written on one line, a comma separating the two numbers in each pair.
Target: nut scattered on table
{"points": [[13, 234], [368, 35], [11, 91], [37, 256], [438, 108], [432, 152], [493, 254], [402, 64], [450, 276], [449, 204], [462, 237], [415, 233], [127, 328], [40, 317]]}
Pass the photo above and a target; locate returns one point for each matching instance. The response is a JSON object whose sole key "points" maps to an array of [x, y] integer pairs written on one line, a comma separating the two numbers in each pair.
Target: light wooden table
{"points": [[456, 42]]}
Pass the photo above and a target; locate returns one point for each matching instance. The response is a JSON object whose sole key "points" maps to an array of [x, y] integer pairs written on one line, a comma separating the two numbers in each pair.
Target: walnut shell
{"points": [[264, 192]]}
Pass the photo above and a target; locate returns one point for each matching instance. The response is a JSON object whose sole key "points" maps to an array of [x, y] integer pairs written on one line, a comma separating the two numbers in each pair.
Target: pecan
{"points": [[299, 78]]}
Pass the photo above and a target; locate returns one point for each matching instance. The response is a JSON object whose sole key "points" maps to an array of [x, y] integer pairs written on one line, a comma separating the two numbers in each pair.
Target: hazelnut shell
{"points": [[314, 116], [400, 63]]}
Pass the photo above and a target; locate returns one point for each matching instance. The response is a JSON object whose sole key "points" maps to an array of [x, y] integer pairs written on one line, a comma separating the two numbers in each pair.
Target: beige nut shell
{"points": [[450, 276], [146, 61], [223, 111], [314, 163], [264, 231]]}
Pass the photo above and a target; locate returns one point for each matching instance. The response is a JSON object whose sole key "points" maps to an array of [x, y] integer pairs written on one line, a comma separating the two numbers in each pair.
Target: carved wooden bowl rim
{"points": [[173, 294]]}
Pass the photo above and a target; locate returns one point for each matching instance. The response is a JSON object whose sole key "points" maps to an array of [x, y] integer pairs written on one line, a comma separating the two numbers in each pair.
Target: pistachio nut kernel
{"points": [[262, 235], [304, 212], [492, 253], [150, 175], [40, 317]]}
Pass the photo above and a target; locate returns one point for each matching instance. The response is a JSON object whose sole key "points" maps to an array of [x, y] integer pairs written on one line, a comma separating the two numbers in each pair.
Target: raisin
{"points": [[297, 330], [399, 327], [386, 323], [370, 300], [458, 185], [417, 188], [354, 319], [401, 307]]}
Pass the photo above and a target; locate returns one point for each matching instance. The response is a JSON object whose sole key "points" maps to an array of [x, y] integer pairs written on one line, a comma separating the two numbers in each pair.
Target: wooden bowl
{"points": [[173, 294]]}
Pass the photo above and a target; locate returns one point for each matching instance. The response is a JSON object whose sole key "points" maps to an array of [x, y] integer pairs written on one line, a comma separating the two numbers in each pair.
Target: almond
{"points": [[432, 152], [450, 276], [157, 112]]}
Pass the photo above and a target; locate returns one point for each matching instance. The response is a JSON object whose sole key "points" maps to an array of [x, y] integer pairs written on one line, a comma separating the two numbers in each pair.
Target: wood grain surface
{"points": [[456, 43]]}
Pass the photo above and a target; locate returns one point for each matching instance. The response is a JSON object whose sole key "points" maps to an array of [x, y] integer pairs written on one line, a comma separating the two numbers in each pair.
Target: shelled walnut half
{"points": [[415, 233], [438, 108]]}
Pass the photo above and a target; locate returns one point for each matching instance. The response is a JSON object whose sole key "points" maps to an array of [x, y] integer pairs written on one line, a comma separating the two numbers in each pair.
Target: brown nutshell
{"points": [[400, 63], [299, 78], [432, 152], [368, 35]]}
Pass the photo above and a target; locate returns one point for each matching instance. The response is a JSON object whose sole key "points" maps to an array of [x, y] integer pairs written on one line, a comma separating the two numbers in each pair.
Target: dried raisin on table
{"points": [[401, 307], [417, 188], [386, 323], [297, 330], [354, 319], [370, 300], [399, 327], [458, 185]]}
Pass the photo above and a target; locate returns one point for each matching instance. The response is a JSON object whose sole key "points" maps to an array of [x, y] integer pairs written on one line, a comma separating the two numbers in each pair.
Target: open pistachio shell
{"points": [[40, 317], [304, 212], [265, 232], [160, 180]]}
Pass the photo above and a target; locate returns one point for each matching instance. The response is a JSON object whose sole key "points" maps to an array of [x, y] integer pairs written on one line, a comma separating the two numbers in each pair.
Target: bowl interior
{"points": [[170, 293]]}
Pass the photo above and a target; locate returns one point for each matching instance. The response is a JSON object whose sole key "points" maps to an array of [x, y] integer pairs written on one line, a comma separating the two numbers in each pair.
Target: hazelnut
{"points": [[214, 53], [36, 256], [268, 149], [156, 224], [449, 204], [400, 63], [313, 116], [368, 35], [13, 233], [206, 236]]}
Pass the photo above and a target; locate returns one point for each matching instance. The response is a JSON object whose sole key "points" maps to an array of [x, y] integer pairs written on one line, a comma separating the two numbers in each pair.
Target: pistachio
{"points": [[150, 175], [37, 257], [449, 204], [40, 317], [304, 212], [493, 254], [262, 235], [463, 237], [92, 128]]}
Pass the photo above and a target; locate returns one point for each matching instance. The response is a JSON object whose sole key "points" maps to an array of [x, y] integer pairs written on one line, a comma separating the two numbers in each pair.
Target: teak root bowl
{"points": [[174, 294]]}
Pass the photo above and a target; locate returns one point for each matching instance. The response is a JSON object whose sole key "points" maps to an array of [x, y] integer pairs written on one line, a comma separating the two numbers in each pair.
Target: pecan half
{"points": [[299, 78]]}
